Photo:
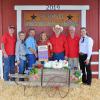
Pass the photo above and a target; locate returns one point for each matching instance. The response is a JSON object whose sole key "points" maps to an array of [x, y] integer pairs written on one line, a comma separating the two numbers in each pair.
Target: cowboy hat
{"points": [[58, 28]]}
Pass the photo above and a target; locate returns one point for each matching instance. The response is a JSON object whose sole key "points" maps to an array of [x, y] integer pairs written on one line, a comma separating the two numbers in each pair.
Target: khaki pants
{"points": [[73, 62]]}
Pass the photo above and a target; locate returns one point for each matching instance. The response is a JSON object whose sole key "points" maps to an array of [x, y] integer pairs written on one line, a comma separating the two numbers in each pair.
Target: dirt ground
{"points": [[17, 92]]}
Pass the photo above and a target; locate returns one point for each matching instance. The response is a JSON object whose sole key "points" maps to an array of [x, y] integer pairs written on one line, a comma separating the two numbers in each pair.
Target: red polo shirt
{"points": [[72, 50], [58, 43], [9, 43]]}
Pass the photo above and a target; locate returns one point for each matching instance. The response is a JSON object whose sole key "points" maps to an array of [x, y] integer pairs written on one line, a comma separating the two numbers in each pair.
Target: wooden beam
{"points": [[99, 35], [1, 14], [0, 21]]}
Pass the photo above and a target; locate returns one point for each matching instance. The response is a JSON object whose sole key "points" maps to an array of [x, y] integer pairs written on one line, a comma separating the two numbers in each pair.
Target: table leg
{"points": [[42, 77], [69, 79]]}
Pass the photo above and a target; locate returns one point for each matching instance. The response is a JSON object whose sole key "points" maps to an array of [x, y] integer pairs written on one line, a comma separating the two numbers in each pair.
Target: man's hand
{"points": [[33, 51], [3, 50], [66, 58], [35, 54], [5, 55], [50, 45]]}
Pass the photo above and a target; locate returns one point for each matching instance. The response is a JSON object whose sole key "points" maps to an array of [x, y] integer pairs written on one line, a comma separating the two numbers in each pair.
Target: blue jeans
{"points": [[9, 66], [31, 60], [58, 56], [22, 66]]}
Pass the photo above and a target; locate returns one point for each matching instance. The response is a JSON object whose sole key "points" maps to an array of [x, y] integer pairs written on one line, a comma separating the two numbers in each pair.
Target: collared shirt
{"points": [[30, 43], [58, 43], [73, 46], [9, 43], [20, 50], [86, 46]]}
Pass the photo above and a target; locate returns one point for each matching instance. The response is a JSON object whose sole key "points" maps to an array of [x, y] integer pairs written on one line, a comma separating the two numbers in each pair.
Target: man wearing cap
{"points": [[8, 49], [58, 41]]}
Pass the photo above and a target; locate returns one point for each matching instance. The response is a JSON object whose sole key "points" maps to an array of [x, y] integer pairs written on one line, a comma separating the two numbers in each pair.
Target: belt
{"points": [[22, 55], [58, 53], [81, 53]]}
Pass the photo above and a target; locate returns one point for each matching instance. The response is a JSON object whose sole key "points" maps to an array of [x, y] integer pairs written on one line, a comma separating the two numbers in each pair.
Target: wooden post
{"points": [[1, 65]]}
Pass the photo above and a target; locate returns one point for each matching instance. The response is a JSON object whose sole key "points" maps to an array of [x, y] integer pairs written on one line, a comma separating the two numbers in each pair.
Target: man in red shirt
{"points": [[58, 41], [8, 49], [72, 48]]}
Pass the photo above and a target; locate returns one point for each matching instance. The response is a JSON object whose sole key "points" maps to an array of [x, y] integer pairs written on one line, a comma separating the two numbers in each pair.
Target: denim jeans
{"points": [[22, 66], [9, 66], [58, 56], [31, 60]]}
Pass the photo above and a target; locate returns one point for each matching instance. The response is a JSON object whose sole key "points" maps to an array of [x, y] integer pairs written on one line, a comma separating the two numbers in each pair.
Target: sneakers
{"points": [[27, 72]]}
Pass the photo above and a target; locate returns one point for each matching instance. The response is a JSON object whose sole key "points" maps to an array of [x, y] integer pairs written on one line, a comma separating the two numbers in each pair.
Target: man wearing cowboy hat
{"points": [[58, 41]]}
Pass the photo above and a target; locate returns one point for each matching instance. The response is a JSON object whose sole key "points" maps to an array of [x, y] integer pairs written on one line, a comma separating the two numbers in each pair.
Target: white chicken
{"points": [[56, 64]]}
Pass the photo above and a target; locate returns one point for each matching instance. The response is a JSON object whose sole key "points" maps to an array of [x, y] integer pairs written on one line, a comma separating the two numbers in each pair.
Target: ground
{"points": [[80, 92]]}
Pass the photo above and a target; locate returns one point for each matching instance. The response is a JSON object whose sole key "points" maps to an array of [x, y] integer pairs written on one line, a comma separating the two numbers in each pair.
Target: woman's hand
{"points": [[87, 61], [18, 62]]}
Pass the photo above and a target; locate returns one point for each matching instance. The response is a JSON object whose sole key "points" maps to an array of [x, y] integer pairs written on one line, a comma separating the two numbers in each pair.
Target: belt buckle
{"points": [[81, 53]]}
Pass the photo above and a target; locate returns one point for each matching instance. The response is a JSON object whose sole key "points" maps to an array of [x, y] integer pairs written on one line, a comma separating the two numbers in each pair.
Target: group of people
{"points": [[72, 47]]}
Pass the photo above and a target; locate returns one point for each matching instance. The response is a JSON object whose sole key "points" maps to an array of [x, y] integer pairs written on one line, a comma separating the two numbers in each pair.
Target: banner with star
{"points": [[51, 18]]}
